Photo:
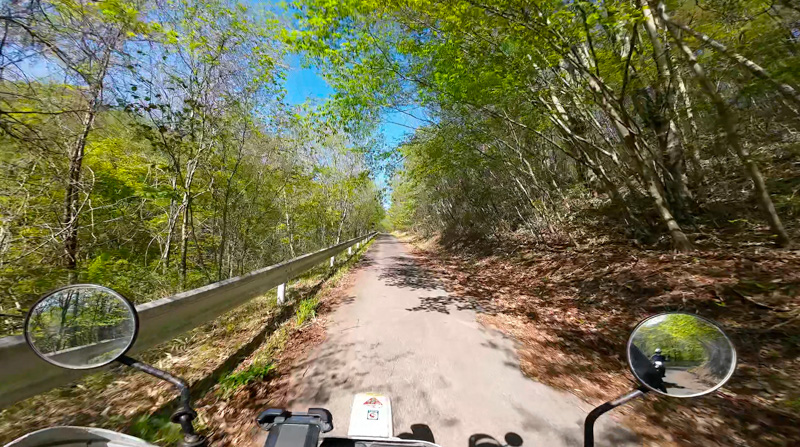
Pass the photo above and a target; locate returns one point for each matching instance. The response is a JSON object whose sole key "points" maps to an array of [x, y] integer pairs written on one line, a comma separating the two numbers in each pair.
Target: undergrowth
{"points": [[257, 371], [307, 310], [160, 430]]}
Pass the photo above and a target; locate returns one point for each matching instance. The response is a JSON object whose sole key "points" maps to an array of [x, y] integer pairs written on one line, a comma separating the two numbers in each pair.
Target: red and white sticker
{"points": [[373, 402], [371, 416]]}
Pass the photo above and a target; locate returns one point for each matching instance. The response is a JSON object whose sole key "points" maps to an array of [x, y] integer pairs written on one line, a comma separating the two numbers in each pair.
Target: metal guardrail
{"points": [[23, 374]]}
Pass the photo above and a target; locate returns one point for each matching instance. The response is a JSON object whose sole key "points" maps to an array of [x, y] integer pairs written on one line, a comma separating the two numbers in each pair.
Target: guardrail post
{"points": [[281, 294]]}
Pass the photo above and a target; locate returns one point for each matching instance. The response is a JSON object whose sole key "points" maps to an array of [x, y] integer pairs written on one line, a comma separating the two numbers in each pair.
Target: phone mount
{"points": [[287, 429]]}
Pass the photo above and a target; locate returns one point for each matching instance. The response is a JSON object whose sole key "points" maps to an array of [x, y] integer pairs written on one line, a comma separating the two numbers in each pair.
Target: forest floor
{"points": [[235, 366], [572, 311]]}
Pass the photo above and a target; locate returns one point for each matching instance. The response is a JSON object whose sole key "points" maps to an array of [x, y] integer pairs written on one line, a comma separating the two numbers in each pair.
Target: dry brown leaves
{"points": [[572, 311]]}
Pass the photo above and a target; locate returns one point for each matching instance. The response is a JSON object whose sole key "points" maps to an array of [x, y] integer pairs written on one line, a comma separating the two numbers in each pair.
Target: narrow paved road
{"points": [[402, 335], [683, 383]]}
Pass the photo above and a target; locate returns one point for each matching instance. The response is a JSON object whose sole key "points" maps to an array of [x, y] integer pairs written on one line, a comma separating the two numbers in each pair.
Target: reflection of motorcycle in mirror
{"points": [[702, 357], [89, 326], [658, 360], [659, 366]]}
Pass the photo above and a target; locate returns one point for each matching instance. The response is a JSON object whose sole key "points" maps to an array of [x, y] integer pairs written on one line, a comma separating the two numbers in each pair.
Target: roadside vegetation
{"points": [[669, 125]]}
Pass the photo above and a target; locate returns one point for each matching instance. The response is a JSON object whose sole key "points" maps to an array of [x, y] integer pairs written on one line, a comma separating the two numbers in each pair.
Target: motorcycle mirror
{"points": [[81, 326], [695, 355]]}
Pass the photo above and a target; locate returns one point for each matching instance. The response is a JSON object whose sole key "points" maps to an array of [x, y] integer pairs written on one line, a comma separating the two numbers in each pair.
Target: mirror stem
{"points": [[185, 413], [588, 428]]}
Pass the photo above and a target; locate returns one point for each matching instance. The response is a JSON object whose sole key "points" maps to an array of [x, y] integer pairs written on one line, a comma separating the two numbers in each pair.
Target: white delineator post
{"points": [[282, 294], [349, 251], [333, 260]]}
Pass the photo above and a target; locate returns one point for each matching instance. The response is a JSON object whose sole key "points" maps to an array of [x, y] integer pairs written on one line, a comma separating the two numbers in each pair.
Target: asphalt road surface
{"points": [[448, 377], [680, 382]]}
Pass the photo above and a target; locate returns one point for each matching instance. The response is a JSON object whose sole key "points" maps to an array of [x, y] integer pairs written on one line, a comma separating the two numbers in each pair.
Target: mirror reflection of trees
{"points": [[682, 338], [76, 317], [695, 355]]}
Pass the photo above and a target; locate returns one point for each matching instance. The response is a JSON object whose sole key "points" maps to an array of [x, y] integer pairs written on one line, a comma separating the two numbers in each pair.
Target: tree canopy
{"points": [[146, 146], [643, 118]]}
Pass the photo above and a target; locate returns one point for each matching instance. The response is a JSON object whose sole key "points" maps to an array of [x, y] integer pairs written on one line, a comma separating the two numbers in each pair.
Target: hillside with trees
{"points": [[146, 146], [661, 122]]}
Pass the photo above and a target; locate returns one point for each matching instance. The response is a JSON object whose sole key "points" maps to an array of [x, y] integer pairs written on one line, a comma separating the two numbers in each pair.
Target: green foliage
{"points": [[682, 337], [178, 163], [71, 318], [259, 370], [156, 430], [535, 121], [307, 310]]}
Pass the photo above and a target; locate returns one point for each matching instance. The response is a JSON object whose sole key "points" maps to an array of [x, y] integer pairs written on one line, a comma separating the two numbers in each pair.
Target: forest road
{"points": [[448, 377], [683, 383]]}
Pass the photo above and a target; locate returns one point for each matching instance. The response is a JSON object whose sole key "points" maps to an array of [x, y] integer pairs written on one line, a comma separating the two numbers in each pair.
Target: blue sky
{"points": [[304, 84]]}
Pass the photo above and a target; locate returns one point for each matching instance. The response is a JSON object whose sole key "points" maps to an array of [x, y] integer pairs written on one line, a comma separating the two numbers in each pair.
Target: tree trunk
{"points": [[728, 119], [690, 132], [72, 192], [186, 204], [288, 221], [660, 117], [172, 219], [223, 239], [652, 184], [225, 205], [562, 121], [184, 236], [341, 225]]}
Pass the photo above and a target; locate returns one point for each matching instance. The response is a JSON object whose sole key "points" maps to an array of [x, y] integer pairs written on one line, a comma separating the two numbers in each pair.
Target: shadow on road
{"points": [[483, 440], [404, 272], [443, 303], [613, 436], [419, 432], [423, 432]]}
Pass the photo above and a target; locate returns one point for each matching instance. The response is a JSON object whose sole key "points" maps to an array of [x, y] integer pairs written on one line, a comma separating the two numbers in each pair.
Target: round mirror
{"points": [[81, 326], [681, 355]]}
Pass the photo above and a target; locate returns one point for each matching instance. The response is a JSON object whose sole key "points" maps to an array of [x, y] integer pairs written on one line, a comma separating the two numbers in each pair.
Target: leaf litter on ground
{"points": [[572, 311]]}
